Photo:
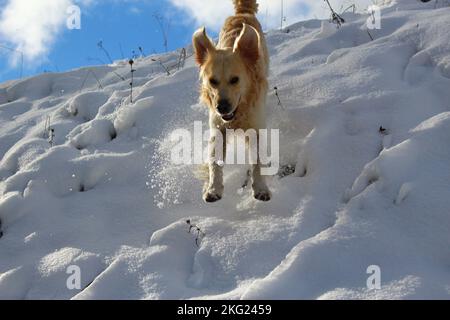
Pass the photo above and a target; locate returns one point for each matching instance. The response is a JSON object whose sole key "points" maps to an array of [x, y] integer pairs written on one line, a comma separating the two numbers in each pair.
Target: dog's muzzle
{"points": [[228, 117], [225, 110]]}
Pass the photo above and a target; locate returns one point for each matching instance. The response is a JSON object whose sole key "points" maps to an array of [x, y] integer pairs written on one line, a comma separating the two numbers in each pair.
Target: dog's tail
{"points": [[245, 6]]}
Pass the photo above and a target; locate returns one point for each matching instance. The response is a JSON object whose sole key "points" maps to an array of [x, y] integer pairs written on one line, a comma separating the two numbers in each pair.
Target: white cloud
{"points": [[206, 12], [31, 26], [134, 10], [212, 13]]}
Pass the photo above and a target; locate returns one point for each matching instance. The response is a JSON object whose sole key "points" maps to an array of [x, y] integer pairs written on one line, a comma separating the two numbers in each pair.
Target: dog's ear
{"points": [[248, 44], [202, 46]]}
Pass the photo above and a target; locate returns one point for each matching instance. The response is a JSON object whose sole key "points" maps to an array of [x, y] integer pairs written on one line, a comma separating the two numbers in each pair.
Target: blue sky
{"points": [[38, 28], [118, 25]]}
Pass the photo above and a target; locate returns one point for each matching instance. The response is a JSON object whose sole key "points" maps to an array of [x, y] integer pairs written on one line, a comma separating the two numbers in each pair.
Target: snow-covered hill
{"points": [[106, 198]]}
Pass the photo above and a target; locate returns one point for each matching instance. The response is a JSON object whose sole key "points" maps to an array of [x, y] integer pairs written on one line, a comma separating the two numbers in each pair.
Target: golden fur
{"points": [[241, 54]]}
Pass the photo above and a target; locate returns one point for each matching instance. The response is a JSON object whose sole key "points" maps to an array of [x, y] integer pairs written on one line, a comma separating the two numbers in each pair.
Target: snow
{"points": [[107, 199]]}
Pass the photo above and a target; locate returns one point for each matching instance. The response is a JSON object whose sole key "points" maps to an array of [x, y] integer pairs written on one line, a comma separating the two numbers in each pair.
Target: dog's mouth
{"points": [[229, 117]]}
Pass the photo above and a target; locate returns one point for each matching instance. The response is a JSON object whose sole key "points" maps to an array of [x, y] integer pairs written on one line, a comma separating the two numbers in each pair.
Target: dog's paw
{"points": [[210, 197], [263, 195]]}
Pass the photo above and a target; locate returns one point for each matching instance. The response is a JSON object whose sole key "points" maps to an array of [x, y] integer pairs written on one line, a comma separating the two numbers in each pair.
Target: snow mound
{"points": [[365, 123]]}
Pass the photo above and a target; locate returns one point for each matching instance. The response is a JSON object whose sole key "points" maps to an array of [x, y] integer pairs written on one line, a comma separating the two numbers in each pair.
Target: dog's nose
{"points": [[224, 106]]}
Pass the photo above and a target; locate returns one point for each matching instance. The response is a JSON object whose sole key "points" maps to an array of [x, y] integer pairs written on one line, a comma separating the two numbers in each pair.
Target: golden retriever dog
{"points": [[234, 86]]}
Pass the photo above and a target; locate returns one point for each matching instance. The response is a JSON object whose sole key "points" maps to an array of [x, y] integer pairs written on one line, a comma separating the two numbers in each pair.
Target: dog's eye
{"points": [[234, 80], [213, 82]]}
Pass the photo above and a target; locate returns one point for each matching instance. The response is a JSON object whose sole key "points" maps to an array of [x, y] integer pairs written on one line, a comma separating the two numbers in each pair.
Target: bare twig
{"points": [[382, 130], [162, 65], [278, 97], [90, 71], [370, 35], [131, 62], [199, 234], [353, 7], [21, 57], [121, 51], [51, 136], [141, 50], [182, 59], [164, 26], [46, 127], [100, 45], [335, 18]]}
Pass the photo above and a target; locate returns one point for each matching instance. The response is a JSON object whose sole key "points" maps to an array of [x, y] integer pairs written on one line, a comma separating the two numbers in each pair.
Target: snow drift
{"points": [[366, 124]]}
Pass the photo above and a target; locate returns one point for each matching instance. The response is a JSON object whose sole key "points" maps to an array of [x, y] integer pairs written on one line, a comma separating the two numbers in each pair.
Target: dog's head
{"points": [[225, 73]]}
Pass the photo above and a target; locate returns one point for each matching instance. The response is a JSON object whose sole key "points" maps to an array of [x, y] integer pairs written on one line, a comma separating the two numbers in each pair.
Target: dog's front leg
{"points": [[260, 190], [213, 190]]}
